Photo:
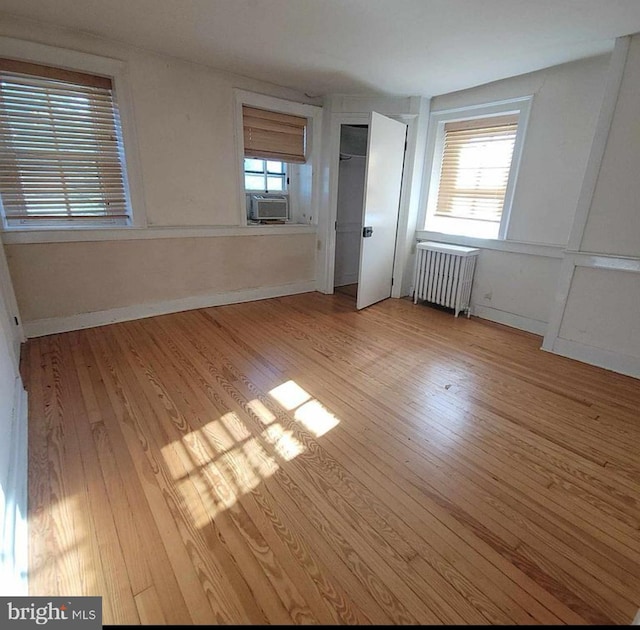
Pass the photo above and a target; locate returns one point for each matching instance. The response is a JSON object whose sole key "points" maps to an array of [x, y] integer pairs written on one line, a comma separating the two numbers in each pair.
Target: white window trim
{"points": [[435, 142], [93, 64], [314, 130]]}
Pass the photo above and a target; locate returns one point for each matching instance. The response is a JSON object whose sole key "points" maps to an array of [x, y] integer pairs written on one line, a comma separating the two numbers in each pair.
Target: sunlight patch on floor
{"points": [[236, 428], [285, 444], [290, 395], [315, 418], [266, 417], [216, 434], [215, 465]]}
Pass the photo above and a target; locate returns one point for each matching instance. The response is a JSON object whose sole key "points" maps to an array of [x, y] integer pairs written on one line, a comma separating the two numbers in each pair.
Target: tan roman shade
{"points": [[476, 162], [273, 136], [61, 156]]}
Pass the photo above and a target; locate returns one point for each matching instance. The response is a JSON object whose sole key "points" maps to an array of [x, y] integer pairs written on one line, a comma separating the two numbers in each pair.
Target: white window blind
{"points": [[61, 154], [476, 162]]}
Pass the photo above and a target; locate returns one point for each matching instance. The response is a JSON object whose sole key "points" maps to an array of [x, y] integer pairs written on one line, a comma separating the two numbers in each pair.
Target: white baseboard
{"points": [[50, 326], [622, 363], [14, 540], [509, 319]]}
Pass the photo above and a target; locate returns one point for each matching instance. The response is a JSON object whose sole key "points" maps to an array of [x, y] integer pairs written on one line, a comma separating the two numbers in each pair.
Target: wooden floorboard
{"points": [[295, 461]]}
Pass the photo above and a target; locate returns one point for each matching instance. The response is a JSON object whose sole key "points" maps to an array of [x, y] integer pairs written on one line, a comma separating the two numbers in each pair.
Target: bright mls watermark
{"points": [[81, 613]]}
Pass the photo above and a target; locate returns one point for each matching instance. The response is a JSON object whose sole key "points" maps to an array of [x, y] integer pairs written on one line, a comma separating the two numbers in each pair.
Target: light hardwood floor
{"points": [[294, 461]]}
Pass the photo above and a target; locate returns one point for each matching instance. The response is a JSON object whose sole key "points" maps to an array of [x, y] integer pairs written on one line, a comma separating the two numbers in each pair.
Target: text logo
{"points": [[81, 613]]}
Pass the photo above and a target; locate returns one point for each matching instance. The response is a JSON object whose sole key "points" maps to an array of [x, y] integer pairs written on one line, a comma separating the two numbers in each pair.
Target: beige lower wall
{"points": [[65, 279]]}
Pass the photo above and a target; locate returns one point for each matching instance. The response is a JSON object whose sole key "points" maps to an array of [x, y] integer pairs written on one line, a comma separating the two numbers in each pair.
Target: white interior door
{"points": [[383, 180]]}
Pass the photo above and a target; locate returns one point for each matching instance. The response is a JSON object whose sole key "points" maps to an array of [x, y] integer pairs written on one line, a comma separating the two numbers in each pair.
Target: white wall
{"points": [[603, 310], [13, 474], [514, 288], [8, 376], [10, 316], [596, 312], [515, 279], [614, 220], [184, 124], [7, 385], [13, 448], [566, 102]]}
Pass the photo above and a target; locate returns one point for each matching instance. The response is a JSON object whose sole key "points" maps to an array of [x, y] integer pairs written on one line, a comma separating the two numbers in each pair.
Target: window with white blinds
{"points": [[476, 162], [473, 159], [61, 153]]}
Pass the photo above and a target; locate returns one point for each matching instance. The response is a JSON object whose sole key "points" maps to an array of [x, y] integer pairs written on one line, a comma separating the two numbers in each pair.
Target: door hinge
{"points": [[391, 281], [335, 227], [15, 319]]}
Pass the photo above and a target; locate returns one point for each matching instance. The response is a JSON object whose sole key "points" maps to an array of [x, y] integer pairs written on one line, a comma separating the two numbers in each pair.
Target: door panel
{"points": [[383, 181]]}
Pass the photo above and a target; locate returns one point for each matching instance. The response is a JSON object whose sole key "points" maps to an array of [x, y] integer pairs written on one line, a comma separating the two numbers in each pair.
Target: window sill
{"points": [[516, 247], [71, 235]]}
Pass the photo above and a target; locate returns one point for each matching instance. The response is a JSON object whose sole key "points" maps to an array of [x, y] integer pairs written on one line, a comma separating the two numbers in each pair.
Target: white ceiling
{"points": [[405, 47]]}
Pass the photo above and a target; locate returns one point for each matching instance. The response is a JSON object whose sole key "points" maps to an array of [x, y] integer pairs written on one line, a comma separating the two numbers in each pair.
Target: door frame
{"points": [[327, 233]]}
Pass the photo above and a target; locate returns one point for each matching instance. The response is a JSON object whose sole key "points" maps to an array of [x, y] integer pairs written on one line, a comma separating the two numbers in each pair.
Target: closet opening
{"points": [[351, 183]]}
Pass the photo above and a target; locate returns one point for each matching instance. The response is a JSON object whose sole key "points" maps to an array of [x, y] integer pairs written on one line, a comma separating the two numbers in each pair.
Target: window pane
{"points": [[275, 183], [250, 164], [254, 182], [275, 167]]}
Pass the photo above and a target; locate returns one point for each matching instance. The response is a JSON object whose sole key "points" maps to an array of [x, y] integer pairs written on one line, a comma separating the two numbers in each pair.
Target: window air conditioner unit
{"points": [[269, 208]]}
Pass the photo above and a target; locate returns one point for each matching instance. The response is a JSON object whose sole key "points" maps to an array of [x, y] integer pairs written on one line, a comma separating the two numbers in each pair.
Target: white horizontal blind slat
{"points": [[475, 168], [61, 155]]}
